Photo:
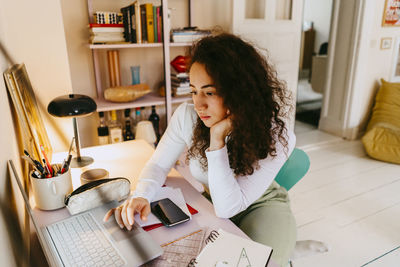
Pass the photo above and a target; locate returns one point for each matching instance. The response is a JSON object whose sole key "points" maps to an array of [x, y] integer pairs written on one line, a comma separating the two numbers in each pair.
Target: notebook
{"points": [[84, 239], [226, 249]]}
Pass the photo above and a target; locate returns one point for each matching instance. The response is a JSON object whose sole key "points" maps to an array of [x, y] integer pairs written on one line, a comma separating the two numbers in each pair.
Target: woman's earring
{"points": [[228, 112]]}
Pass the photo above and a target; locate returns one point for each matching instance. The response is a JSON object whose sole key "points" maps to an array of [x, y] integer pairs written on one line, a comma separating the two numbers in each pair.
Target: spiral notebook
{"points": [[226, 249]]}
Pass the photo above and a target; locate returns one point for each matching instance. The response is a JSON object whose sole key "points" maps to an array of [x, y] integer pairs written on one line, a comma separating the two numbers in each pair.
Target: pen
{"points": [[47, 161], [48, 173], [36, 163], [63, 165], [36, 173], [28, 159], [55, 169]]}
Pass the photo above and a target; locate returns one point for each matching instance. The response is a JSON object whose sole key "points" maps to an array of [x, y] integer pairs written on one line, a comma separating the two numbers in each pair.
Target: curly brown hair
{"points": [[251, 91]]}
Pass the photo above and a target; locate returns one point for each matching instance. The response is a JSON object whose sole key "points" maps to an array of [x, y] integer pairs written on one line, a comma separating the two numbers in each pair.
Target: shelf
{"points": [[116, 46], [180, 44], [151, 99]]}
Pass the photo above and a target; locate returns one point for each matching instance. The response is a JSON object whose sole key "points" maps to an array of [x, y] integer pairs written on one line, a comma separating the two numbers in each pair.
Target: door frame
{"points": [[331, 122]]}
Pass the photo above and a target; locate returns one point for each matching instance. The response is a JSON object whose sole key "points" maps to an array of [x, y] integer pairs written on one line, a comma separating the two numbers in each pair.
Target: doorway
{"points": [[313, 61]]}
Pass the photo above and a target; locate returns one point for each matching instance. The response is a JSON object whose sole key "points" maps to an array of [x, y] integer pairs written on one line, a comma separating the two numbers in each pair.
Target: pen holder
{"points": [[49, 193]]}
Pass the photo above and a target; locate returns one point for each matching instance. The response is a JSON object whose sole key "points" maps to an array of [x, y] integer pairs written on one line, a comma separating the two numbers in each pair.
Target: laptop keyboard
{"points": [[80, 241]]}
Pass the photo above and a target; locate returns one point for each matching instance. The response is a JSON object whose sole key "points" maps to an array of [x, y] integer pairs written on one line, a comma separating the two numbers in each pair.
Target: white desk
{"points": [[126, 160]]}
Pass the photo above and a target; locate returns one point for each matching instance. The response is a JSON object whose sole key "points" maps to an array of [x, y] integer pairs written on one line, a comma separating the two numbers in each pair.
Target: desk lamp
{"points": [[74, 105]]}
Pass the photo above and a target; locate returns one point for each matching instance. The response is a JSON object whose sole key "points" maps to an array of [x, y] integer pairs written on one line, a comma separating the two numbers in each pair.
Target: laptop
{"points": [[85, 240]]}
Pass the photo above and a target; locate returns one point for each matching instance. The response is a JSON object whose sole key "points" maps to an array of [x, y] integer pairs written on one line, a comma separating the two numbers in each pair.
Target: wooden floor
{"points": [[347, 200]]}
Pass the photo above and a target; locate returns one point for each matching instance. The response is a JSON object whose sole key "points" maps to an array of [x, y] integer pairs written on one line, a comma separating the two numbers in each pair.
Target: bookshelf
{"points": [[152, 98]]}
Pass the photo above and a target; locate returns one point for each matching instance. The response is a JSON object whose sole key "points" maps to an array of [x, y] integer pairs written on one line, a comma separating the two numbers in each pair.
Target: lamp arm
{"points": [[77, 144]]}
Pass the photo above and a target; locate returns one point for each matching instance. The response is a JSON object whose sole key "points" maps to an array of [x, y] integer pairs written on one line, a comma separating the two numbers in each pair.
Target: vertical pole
{"points": [[77, 145], [167, 70], [190, 13]]}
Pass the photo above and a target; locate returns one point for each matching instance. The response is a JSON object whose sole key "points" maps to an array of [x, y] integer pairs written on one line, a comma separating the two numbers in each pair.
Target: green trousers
{"points": [[270, 221]]}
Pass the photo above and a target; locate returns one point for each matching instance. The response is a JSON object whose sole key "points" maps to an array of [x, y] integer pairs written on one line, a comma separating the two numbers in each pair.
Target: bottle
{"points": [[142, 114], [102, 130], [128, 135], [137, 119], [115, 128], [155, 120]]}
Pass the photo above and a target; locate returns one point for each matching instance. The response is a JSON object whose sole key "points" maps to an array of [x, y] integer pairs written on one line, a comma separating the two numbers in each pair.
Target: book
{"points": [[149, 22], [159, 24], [177, 80], [155, 24], [138, 24], [132, 21], [99, 39], [231, 250], [143, 23], [188, 34], [96, 29], [179, 75], [180, 84], [105, 17], [187, 38], [127, 23], [98, 25]]}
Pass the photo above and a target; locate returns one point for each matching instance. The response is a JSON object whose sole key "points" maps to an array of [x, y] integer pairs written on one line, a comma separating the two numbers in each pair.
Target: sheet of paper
{"points": [[175, 194], [233, 250]]}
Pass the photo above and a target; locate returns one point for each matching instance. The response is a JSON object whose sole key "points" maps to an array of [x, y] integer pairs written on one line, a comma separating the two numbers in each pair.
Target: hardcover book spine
{"points": [[159, 24], [125, 14], [144, 23], [149, 22], [155, 23], [138, 25], [132, 19]]}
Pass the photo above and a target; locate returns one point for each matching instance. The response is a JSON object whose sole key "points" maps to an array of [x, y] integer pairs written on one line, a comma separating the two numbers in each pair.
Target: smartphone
{"points": [[168, 212]]}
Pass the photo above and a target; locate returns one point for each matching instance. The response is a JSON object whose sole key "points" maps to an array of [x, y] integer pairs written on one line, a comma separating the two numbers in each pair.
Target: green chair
{"points": [[294, 169]]}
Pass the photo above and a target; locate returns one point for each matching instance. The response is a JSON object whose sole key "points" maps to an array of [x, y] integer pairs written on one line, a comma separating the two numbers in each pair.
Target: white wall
{"points": [[319, 12], [32, 33], [373, 63], [8, 145]]}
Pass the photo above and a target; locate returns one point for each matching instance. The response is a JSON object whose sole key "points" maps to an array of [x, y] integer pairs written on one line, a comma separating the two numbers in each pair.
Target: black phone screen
{"points": [[168, 212]]}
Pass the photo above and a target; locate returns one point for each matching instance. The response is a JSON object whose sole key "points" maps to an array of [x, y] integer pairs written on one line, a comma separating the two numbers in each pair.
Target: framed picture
{"points": [[31, 124], [391, 13], [395, 77]]}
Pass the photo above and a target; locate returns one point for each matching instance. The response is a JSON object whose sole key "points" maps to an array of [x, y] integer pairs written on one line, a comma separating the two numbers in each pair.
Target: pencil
{"points": [[183, 237], [47, 161]]}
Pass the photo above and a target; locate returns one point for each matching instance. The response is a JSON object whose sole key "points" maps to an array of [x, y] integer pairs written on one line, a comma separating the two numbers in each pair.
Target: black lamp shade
{"points": [[72, 105]]}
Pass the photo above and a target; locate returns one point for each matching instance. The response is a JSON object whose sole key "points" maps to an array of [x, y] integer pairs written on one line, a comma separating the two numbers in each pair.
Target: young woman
{"points": [[237, 142]]}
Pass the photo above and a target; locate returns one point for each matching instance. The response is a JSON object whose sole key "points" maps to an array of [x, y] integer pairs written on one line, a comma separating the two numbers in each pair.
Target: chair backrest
{"points": [[294, 169]]}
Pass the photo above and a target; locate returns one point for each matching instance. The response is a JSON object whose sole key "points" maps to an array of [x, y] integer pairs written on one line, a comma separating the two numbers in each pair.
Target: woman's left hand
{"points": [[218, 132]]}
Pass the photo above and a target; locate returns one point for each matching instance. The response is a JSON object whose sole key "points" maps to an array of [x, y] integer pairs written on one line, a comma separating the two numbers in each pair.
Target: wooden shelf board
{"points": [[115, 46], [151, 99], [180, 44]]}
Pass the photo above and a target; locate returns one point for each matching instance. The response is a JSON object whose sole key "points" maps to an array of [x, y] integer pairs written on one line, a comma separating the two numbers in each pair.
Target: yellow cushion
{"points": [[382, 139]]}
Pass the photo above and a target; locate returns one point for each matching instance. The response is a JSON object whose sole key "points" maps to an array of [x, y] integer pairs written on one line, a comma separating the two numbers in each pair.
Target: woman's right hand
{"points": [[124, 214]]}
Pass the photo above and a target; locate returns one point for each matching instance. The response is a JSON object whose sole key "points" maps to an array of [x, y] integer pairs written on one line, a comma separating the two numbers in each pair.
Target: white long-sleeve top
{"points": [[230, 194]]}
